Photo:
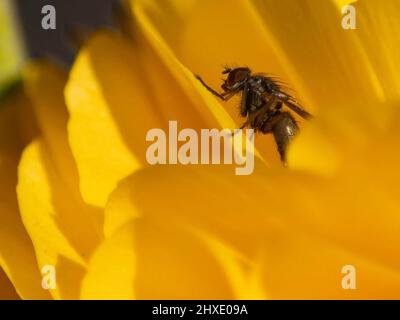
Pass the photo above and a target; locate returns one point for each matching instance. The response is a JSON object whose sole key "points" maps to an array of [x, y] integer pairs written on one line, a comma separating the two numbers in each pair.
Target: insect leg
{"points": [[222, 96], [245, 101], [258, 117]]}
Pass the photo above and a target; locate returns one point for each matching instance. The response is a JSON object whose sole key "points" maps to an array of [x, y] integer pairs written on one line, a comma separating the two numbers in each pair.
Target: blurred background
{"points": [[22, 35]]}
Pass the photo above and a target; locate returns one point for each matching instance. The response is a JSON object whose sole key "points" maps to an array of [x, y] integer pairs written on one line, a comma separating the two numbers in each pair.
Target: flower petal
{"points": [[376, 21], [111, 270], [121, 210], [47, 211], [147, 260], [364, 182], [342, 3], [297, 266], [328, 63], [52, 118], [17, 257], [113, 103], [182, 57], [173, 83], [51, 113], [226, 40], [64, 229], [278, 206], [110, 114], [7, 291]]}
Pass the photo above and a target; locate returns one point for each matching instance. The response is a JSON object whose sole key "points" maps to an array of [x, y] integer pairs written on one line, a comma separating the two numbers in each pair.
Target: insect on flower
{"points": [[263, 98]]}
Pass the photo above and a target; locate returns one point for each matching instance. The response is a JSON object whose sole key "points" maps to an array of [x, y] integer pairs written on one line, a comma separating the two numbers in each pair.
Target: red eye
{"points": [[237, 75]]}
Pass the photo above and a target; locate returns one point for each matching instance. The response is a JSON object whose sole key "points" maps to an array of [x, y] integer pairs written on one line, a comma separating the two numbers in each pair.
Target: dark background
{"points": [[70, 14]]}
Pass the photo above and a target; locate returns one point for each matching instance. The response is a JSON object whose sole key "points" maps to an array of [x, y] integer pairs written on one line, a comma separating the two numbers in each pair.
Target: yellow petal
{"points": [[137, 201], [376, 21], [56, 183], [114, 103], [363, 181], [327, 63], [342, 3], [120, 209], [58, 223], [52, 118], [183, 28], [111, 270], [7, 291], [297, 266], [250, 213], [147, 260], [110, 115], [152, 19], [174, 86], [311, 50], [244, 275], [44, 83], [218, 184], [17, 257], [245, 283]]}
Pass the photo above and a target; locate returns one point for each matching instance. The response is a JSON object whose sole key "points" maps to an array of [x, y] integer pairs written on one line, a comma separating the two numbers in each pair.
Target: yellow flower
{"points": [[17, 257], [115, 227]]}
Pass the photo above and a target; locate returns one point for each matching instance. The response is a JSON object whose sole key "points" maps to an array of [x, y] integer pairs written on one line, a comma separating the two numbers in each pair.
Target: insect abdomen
{"points": [[284, 131]]}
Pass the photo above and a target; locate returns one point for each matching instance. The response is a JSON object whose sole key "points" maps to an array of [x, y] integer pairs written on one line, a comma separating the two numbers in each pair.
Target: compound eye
{"points": [[237, 76]]}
